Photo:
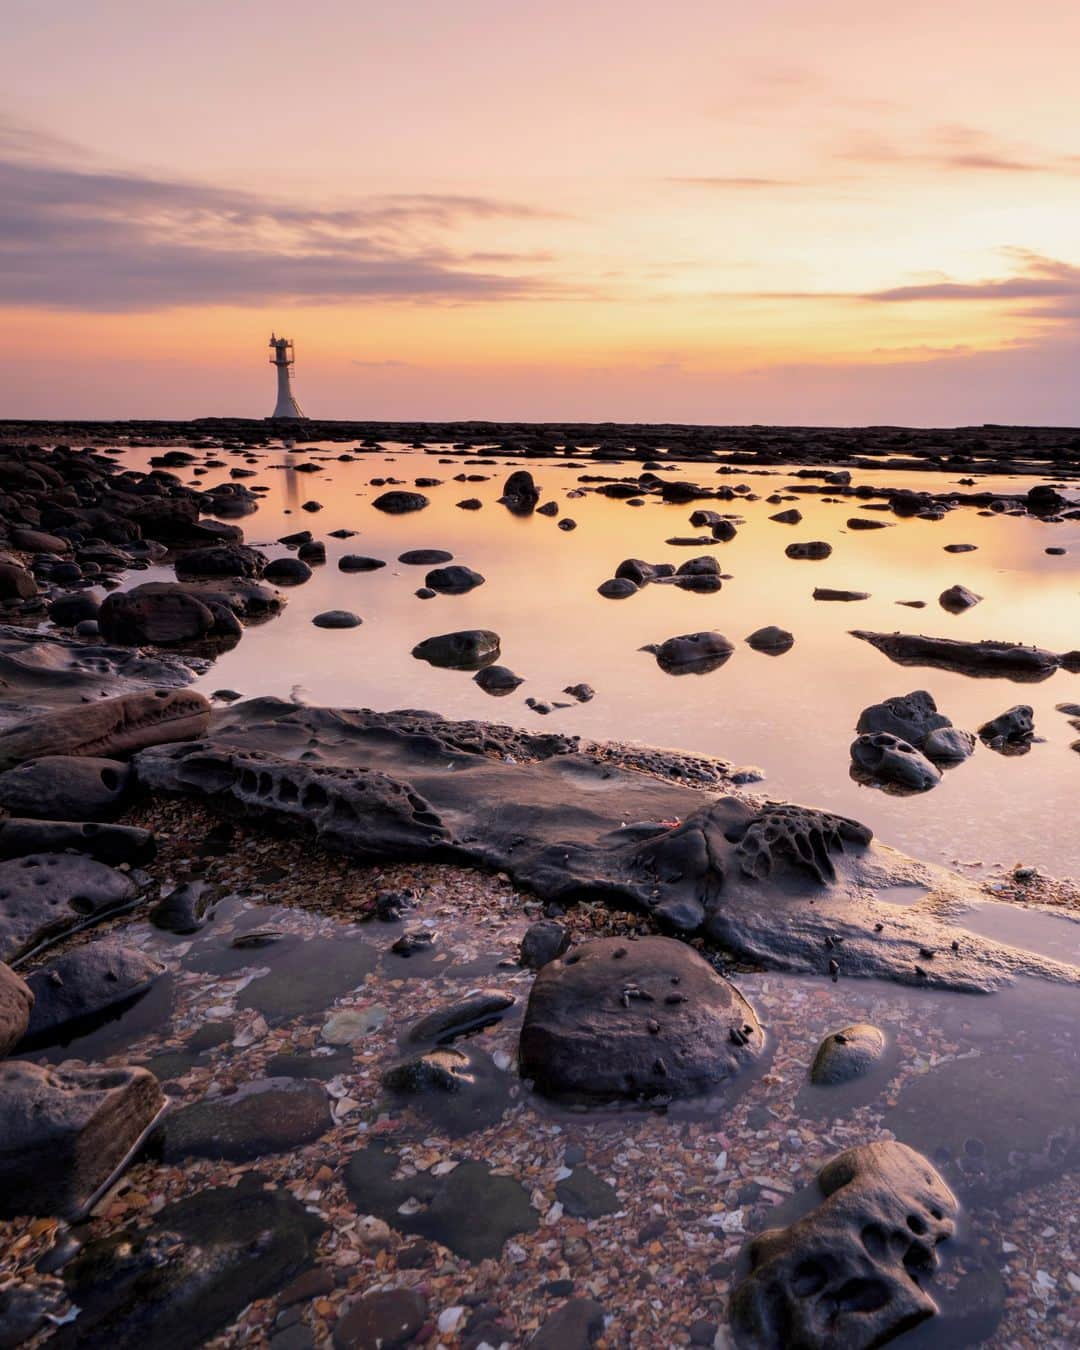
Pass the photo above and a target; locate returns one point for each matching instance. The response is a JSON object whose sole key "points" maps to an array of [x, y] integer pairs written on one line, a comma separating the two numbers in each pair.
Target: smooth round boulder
{"points": [[75, 607], [847, 1054], [497, 680], [401, 503], [453, 580], [617, 588], [356, 562], [65, 787], [157, 612], [692, 653], [958, 598], [16, 583], [635, 1021], [425, 557], [287, 572], [813, 551], [470, 649], [337, 618], [771, 640]]}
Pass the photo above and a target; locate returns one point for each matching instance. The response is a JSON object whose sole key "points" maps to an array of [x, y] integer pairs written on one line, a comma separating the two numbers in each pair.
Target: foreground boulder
{"points": [[160, 613], [635, 1020], [850, 1273], [111, 844], [83, 985], [16, 1001], [65, 787], [45, 894], [64, 1131]]}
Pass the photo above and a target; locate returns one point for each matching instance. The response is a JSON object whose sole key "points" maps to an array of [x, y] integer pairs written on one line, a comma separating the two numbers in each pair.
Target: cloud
{"points": [[106, 241], [957, 147], [733, 183]]}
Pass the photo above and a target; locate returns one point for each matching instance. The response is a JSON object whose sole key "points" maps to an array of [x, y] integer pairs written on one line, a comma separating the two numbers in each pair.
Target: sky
{"points": [[795, 211]]}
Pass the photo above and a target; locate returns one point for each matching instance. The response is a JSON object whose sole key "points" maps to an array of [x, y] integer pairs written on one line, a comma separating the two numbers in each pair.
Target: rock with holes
{"points": [[619, 1020], [111, 844], [65, 1129], [16, 1001], [362, 812], [65, 787], [1015, 727], [846, 1054], [109, 726], [84, 985], [912, 717], [45, 894], [886, 760], [853, 1272]]}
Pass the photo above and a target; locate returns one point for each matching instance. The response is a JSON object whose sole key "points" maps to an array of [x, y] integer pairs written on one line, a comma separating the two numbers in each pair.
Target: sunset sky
{"points": [[818, 211]]}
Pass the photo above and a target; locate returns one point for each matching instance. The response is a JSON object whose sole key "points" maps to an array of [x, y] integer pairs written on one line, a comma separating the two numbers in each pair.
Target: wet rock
{"points": [[635, 1020], [183, 910], [771, 640], [911, 717], [382, 1320], [692, 653], [1044, 500], [948, 745], [617, 588], [307, 976], [453, 580], [112, 844], [224, 560], [886, 759], [16, 583], [1007, 659], [827, 593], [865, 523], [159, 613], [1014, 727], [584, 693], [852, 1272], [520, 492], [577, 1325], [584, 1195], [313, 552], [287, 572], [469, 1210], [792, 516], [79, 988], [724, 530], [413, 941], [847, 1054], [357, 562], [16, 1001], [639, 572], [481, 1008], [425, 557], [958, 598], [25, 1309], [567, 524], [270, 1115], [337, 618], [425, 593], [45, 894], [398, 503], [470, 649], [457, 1087], [544, 941], [472, 504], [65, 1129], [549, 509], [68, 610], [813, 551], [65, 787]]}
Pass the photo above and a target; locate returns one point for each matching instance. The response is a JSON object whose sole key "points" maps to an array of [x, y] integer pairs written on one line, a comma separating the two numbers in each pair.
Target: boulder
{"points": [[453, 580], [520, 492], [337, 618], [813, 551], [853, 1271], [75, 607], [912, 717], [158, 613], [1016, 726], [65, 1129], [16, 1001], [44, 894], [847, 1054], [886, 759], [65, 787], [269, 1115], [425, 557], [385, 1319], [771, 640], [82, 986], [635, 1021], [287, 572], [958, 598], [1007, 659], [222, 560], [397, 503], [543, 942], [692, 653], [470, 649], [497, 680]]}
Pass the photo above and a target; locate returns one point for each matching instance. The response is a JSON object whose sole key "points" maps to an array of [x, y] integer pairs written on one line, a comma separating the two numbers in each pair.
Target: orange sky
{"points": [[792, 211]]}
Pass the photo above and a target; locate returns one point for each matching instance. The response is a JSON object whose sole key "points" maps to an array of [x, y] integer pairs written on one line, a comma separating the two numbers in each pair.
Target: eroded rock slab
{"points": [[45, 894], [270, 1115], [1007, 660]]}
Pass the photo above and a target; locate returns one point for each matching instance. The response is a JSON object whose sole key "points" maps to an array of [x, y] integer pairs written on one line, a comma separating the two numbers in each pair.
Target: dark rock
{"points": [[584, 693], [64, 1130], [474, 504], [567, 524], [183, 910], [25, 1309], [16, 1001], [80, 987], [520, 492], [792, 516], [65, 787], [497, 680], [864, 523], [724, 530], [453, 580], [961, 548], [617, 588], [287, 572], [158, 613], [693, 653], [847, 1054], [577, 1325], [44, 894], [111, 844], [457, 1087], [1007, 659], [585, 1196], [772, 641], [948, 745], [827, 593], [478, 1009], [813, 551], [852, 1272], [886, 759], [639, 572], [912, 717], [224, 560], [1015, 726], [425, 557], [471, 649], [958, 598], [544, 941], [16, 583], [549, 509], [269, 1115], [425, 593], [75, 607], [415, 940], [382, 1320], [699, 567], [313, 553], [398, 503], [337, 618], [635, 1020], [356, 562]]}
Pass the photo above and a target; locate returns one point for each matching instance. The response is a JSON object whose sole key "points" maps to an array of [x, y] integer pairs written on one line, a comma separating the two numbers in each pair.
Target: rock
{"points": [[425, 557], [549, 509], [382, 1320], [16, 1001], [567, 524], [481, 1008], [16, 583], [724, 530], [851, 1272], [1043, 500], [45, 894], [826, 593], [269, 1115], [453, 580], [413, 941], [473, 504], [948, 745], [912, 717], [399, 503], [25, 1309], [771, 640], [112, 844], [635, 1020], [704, 566], [693, 653], [792, 516], [544, 941], [884, 758], [617, 588], [457, 1087], [497, 680], [76, 607], [313, 553], [65, 787], [471, 649], [847, 1054], [224, 560], [109, 727], [961, 548], [958, 598], [287, 572], [639, 572], [864, 523], [183, 910], [80, 987], [158, 613], [813, 551], [1007, 659], [577, 1325], [584, 693], [520, 492], [64, 1130], [1016, 726], [356, 562], [337, 618], [584, 1195]]}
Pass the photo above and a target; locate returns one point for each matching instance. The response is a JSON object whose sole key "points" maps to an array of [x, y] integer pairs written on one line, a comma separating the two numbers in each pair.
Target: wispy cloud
{"points": [[956, 147], [733, 182]]}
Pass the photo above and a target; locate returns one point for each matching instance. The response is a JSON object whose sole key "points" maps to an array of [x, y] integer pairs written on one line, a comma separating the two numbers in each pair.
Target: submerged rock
{"points": [[453, 580], [475, 1010], [497, 680], [269, 1115], [635, 1020], [397, 503], [457, 1087], [771, 640], [84, 985], [851, 1273], [543, 941], [813, 551], [385, 1319], [847, 1054], [957, 599], [1007, 659]]}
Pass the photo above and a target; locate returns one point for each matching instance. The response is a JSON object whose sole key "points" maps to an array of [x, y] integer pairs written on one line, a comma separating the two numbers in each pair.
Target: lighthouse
{"points": [[283, 359]]}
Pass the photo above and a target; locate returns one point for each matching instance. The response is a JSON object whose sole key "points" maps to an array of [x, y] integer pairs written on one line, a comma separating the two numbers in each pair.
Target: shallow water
{"points": [[792, 715]]}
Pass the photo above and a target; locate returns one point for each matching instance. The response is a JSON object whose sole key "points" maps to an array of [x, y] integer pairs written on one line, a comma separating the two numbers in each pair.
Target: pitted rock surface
{"points": [[852, 1273], [65, 787], [44, 894], [912, 717], [885, 760], [635, 1021]]}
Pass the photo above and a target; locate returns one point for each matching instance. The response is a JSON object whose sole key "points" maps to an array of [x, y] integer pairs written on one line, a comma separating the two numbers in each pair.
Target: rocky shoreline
{"points": [[262, 1154]]}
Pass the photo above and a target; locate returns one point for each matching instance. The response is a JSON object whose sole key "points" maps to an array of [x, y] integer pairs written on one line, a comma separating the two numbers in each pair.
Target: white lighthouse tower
{"points": [[283, 359]]}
